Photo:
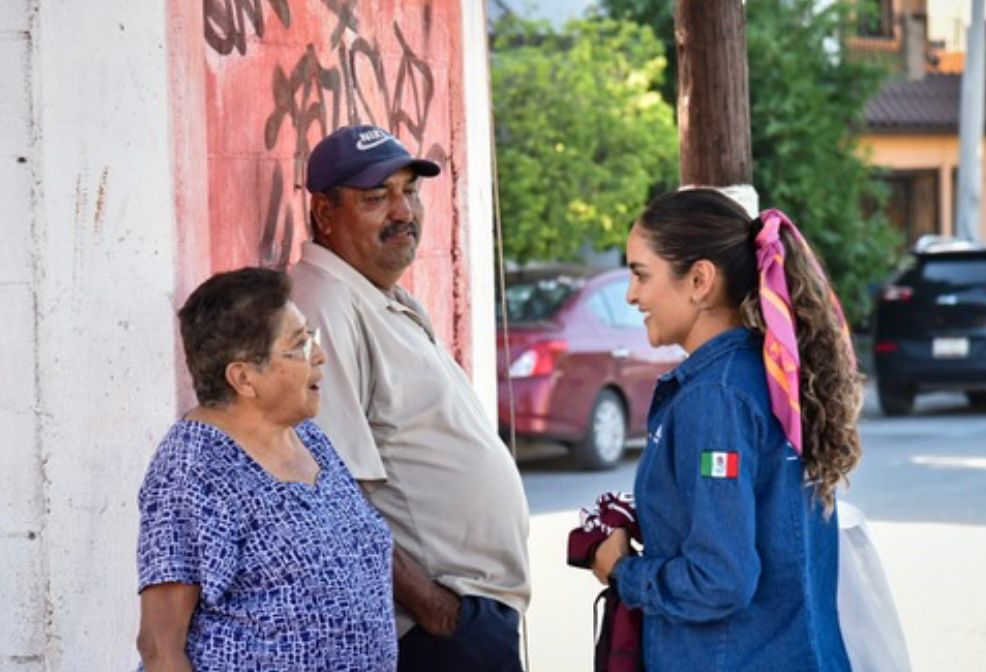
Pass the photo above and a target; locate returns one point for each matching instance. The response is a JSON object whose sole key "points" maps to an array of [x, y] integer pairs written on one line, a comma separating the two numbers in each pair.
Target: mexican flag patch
{"points": [[717, 464]]}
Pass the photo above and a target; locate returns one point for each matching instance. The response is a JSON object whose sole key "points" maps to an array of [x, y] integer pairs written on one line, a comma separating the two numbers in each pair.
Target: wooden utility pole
{"points": [[713, 97]]}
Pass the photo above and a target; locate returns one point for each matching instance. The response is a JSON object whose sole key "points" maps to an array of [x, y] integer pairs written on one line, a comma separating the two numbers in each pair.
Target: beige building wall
{"points": [[924, 152]]}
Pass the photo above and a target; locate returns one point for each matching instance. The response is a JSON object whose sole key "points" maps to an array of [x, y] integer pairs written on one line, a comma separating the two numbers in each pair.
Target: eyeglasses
{"points": [[305, 350]]}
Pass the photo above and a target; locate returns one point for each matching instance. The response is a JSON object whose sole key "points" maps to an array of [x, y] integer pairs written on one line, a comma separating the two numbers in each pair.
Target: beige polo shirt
{"points": [[403, 415]]}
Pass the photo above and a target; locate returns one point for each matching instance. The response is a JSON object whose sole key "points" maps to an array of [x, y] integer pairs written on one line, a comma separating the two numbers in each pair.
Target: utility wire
{"points": [[501, 283]]}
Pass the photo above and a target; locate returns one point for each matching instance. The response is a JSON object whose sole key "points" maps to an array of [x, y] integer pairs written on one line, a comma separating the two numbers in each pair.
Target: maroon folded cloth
{"points": [[613, 510], [618, 639]]}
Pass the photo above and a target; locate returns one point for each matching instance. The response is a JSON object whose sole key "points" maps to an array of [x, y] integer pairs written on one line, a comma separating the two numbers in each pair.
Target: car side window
{"points": [[624, 316], [535, 300], [598, 307]]}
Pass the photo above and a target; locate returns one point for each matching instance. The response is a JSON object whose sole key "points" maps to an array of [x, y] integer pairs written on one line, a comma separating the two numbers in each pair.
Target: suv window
{"points": [[954, 272]]}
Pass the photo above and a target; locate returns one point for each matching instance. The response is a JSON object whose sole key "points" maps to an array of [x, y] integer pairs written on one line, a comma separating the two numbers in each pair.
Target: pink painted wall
{"points": [[281, 74]]}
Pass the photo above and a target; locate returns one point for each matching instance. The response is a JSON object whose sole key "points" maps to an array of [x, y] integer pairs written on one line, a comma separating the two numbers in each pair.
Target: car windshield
{"points": [[536, 299], [955, 272]]}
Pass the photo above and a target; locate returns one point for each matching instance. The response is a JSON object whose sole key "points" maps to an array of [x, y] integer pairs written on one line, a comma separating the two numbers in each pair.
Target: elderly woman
{"points": [[257, 550]]}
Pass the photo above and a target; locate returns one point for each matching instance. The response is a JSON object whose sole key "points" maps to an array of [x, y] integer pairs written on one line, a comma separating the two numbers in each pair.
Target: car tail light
{"points": [[886, 347], [538, 360], [897, 293]]}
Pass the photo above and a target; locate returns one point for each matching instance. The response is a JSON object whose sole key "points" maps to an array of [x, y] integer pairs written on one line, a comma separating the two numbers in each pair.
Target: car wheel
{"points": [[977, 399], [605, 438], [895, 399]]}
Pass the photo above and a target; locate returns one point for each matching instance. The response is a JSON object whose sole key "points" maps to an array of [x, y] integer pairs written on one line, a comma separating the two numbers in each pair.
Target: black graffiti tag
{"points": [[345, 11], [414, 79], [300, 99], [274, 253], [359, 94], [226, 21], [309, 79]]}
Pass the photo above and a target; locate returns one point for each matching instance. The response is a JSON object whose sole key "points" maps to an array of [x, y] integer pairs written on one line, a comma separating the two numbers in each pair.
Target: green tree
{"points": [[581, 133], [659, 15], [807, 102], [807, 105]]}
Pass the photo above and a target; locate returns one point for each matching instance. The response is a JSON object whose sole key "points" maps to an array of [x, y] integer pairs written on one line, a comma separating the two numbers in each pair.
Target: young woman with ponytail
{"points": [[747, 441]]}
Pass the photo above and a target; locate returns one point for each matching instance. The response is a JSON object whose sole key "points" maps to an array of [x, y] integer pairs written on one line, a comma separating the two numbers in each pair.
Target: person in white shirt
{"points": [[404, 417]]}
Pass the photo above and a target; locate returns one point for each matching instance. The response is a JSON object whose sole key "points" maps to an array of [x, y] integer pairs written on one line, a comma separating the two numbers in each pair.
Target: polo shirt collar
{"points": [[336, 266], [332, 263]]}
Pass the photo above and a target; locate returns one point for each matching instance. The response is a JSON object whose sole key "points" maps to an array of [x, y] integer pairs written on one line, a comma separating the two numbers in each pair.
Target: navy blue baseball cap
{"points": [[361, 157]]}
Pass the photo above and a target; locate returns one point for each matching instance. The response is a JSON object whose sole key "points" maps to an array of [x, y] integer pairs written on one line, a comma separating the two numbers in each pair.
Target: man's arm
{"points": [[165, 611], [347, 383], [432, 606]]}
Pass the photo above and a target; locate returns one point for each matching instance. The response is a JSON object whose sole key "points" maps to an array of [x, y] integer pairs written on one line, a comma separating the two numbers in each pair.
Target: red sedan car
{"points": [[579, 362]]}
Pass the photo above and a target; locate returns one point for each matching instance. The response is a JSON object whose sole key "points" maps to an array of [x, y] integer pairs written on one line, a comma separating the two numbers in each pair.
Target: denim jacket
{"points": [[739, 564]]}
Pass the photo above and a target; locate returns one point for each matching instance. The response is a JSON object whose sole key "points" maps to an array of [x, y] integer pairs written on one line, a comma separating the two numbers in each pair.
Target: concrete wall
{"points": [[88, 353], [144, 145], [476, 204], [22, 635]]}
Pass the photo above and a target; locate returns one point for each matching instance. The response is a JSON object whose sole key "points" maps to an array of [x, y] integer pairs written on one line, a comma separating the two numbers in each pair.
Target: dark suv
{"points": [[930, 331]]}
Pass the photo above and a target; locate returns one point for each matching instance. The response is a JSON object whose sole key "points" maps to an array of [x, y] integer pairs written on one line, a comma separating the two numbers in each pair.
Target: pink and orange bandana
{"points": [[780, 346]]}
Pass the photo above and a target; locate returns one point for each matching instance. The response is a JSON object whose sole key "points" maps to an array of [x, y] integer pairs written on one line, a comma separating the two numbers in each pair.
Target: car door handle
{"points": [[620, 353]]}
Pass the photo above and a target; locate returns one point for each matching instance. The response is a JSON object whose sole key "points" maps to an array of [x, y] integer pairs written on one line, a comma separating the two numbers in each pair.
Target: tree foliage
{"points": [[659, 15], [806, 110], [807, 103], [581, 133]]}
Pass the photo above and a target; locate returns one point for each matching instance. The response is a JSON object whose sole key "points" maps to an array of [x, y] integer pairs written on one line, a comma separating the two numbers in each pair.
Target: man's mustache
{"points": [[396, 228]]}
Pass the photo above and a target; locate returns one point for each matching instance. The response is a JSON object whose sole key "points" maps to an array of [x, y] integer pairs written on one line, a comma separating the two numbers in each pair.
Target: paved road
{"points": [[922, 485]]}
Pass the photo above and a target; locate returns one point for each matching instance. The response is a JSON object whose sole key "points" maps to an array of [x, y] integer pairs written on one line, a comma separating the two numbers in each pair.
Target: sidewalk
{"points": [[559, 621], [935, 571], [921, 484]]}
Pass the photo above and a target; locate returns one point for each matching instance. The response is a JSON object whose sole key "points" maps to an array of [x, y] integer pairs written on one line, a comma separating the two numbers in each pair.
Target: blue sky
{"points": [[556, 11]]}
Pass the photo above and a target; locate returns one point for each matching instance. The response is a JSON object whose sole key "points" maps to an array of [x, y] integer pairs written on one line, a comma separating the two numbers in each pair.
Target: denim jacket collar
{"points": [[709, 352]]}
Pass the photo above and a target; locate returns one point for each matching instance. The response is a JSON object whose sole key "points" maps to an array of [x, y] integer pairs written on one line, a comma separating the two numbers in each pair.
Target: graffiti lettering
{"points": [[309, 79], [360, 95], [414, 74], [300, 99], [225, 21], [274, 253], [345, 11]]}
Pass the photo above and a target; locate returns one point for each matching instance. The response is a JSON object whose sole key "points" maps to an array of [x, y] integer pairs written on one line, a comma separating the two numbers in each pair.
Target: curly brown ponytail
{"points": [[831, 387]]}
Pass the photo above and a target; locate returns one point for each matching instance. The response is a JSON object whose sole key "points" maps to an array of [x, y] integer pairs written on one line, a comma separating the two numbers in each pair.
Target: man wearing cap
{"points": [[405, 418]]}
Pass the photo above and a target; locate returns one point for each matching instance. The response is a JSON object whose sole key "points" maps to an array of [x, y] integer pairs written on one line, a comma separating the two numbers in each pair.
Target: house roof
{"points": [[926, 105]]}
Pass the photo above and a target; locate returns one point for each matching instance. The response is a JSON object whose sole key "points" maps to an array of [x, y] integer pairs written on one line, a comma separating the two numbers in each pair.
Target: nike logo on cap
{"points": [[371, 139]]}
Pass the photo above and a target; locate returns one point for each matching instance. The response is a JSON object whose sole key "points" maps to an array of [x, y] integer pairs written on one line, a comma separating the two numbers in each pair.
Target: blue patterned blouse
{"points": [[294, 576]]}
